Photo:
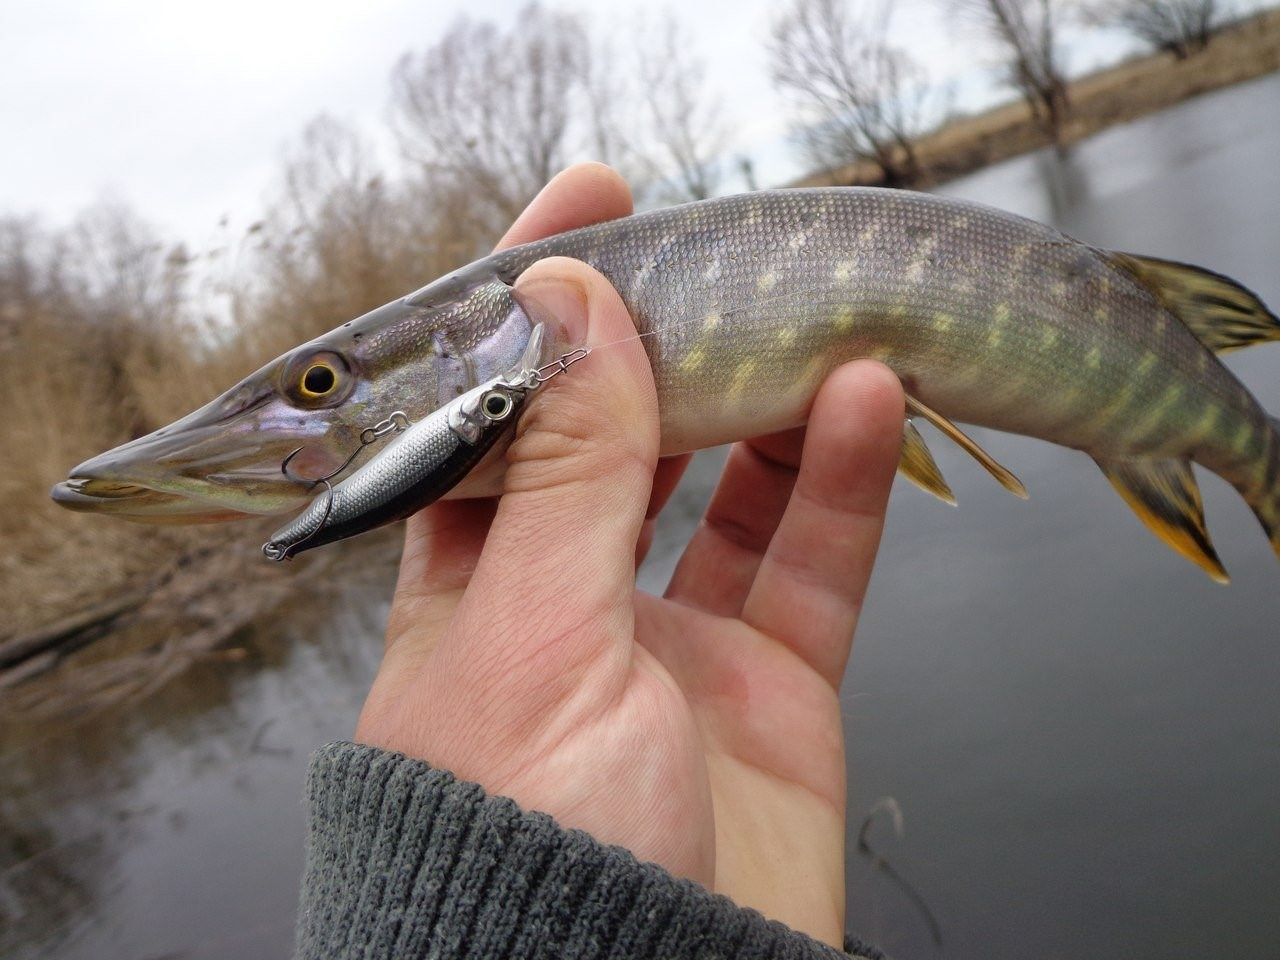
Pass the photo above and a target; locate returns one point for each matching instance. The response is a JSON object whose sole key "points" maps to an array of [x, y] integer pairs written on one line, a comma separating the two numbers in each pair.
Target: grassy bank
{"points": [[1240, 52]]}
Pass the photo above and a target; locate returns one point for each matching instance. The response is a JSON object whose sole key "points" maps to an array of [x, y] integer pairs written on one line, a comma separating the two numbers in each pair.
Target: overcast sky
{"points": [[183, 110]]}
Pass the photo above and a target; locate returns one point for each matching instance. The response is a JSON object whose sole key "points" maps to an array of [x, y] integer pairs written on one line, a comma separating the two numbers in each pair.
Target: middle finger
{"points": [[719, 564]]}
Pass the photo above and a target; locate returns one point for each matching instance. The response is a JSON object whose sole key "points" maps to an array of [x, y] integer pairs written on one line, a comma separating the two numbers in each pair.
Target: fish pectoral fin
{"points": [[1223, 314], [1164, 495], [1003, 476], [918, 465]]}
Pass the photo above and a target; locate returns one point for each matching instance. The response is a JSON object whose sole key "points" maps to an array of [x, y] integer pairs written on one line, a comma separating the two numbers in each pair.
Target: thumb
{"points": [[559, 561]]}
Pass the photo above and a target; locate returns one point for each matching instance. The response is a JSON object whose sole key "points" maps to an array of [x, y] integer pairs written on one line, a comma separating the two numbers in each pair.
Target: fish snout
{"points": [[188, 475]]}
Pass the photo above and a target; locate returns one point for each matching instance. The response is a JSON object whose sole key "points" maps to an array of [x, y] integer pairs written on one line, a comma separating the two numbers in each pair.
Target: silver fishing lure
{"points": [[424, 462]]}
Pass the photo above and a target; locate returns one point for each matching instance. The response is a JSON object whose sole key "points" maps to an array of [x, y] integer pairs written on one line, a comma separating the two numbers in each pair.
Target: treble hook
{"points": [[393, 424]]}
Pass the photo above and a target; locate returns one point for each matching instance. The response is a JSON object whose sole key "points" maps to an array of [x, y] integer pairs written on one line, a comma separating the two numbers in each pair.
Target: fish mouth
{"points": [[134, 501]]}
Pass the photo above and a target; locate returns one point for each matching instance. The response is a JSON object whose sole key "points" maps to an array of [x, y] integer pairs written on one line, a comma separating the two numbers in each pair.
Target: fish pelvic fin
{"points": [[918, 465], [1224, 315], [1165, 496], [966, 443]]}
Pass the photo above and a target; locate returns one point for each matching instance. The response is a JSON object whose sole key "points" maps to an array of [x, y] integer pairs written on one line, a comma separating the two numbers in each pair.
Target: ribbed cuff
{"points": [[405, 862]]}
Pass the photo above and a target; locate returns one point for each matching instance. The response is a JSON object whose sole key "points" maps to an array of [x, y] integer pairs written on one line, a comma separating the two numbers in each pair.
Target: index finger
{"points": [[579, 196]]}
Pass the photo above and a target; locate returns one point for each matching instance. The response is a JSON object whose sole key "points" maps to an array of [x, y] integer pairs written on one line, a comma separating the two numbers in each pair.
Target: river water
{"points": [[1082, 733]]}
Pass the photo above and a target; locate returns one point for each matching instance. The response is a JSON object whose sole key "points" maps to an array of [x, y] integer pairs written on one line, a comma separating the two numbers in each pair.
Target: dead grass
{"points": [[105, 336]]}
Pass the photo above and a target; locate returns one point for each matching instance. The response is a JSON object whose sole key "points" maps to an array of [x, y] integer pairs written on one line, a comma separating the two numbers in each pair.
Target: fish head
{"points": [[263, 445]]}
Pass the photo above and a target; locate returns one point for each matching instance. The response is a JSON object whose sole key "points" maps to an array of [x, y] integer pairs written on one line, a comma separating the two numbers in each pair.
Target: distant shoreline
{"points": [[1241, 51]]}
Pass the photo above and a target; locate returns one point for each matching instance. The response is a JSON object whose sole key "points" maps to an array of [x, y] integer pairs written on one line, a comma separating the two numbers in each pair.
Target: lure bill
{"points": [[745, 304]]}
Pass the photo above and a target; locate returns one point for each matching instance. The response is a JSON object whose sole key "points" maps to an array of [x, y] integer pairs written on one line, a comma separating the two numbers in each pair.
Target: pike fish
{"points": [[747, 303]]}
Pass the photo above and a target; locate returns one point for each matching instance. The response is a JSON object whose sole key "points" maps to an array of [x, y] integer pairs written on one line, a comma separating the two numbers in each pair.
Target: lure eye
{"points": [[496, 405], [316, 380]]}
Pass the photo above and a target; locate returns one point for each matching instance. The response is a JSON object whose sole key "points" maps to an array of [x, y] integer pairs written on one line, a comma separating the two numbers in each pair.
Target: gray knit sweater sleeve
{"points": [[406, 862]]}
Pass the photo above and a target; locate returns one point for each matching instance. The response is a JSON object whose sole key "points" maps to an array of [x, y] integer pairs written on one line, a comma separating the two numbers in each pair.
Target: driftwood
{"points": [[69, 633]]}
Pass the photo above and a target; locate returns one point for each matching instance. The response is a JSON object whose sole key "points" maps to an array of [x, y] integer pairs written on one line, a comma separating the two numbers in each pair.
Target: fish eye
{"points": [[316, 380], [496, 405]]}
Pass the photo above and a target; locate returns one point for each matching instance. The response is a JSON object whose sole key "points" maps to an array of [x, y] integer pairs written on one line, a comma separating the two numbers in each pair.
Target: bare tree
{"points": [[685, 137], [339, 239], [491, 111], [1028, 32], [857, 96], [1179, 26]]}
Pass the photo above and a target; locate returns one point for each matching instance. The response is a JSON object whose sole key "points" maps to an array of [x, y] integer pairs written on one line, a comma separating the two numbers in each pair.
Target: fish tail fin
{"points": [[1223, 314], [1263, 494], [1165, 496]]}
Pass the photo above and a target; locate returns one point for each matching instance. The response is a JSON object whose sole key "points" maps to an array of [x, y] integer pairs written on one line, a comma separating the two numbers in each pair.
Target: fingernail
{"points": [[560, 304]]}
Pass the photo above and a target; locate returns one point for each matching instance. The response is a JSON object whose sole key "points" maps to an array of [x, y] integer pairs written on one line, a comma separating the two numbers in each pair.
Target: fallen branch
{"points": [[71, 632]]}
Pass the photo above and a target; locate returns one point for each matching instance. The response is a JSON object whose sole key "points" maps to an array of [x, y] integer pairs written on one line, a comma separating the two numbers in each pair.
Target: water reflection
{"points": [[168, 825], [1065, 180], [1080, 730]]}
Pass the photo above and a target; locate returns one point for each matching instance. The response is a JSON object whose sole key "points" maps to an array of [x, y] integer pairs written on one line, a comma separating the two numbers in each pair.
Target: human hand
{"points": [[700, 730]]}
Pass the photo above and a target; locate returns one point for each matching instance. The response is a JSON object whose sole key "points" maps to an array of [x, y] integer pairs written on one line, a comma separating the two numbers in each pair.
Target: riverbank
{"points": [[1242, 51]]}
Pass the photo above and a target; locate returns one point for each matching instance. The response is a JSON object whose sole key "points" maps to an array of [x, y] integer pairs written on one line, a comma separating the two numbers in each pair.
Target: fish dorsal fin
{"points": [[918, 465], [1005, 478], [1164, 495], [1222, 314]]}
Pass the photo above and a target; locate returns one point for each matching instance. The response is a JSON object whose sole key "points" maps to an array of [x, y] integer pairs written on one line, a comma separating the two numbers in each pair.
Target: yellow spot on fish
{"points": [[868, 233], [960, 222], [843, 320], [1093, 359], [1158, 412], [943, 321], [786, 336], [797, 241], [1243, 436], [713, 320], [742, 377], [1119, 406], [1208, 420], [916, 271], [1148, 362], [1101, 314], [843, 271], [999, 317], [693, 360], [1059, 289], [767, 282], [1049, 337]]}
